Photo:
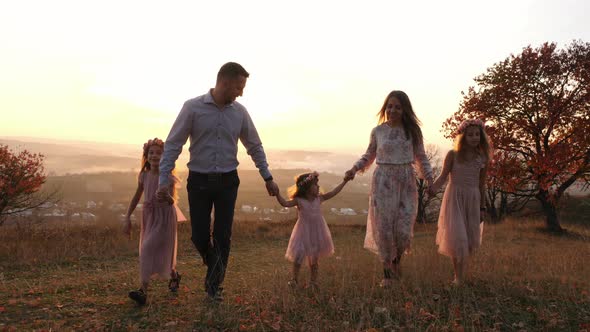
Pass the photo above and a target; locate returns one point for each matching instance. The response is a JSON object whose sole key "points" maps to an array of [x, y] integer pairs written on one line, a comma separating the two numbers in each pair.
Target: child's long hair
{"points": [[302, 184], [410, 121], [145, 164], [484, 148]]}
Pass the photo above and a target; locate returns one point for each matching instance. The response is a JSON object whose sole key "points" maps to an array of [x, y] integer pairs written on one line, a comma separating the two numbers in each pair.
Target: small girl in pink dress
{"points": [[157, 241], [310, 237], [463, 203]]}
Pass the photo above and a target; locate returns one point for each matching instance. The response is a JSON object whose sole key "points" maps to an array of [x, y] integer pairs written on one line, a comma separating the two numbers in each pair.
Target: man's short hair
{"points": [[232, 70]]}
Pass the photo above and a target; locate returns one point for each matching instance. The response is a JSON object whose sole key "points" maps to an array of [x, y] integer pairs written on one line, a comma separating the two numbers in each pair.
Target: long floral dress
{"points": [[393, 199]]}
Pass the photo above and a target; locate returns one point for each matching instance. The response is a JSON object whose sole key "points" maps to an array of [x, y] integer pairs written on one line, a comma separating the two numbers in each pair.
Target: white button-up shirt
{"points": [[214, 135]]}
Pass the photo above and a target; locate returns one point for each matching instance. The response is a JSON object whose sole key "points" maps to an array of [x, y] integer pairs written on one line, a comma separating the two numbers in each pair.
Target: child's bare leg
{"points": [[296, 269], [294, 274], [458, 267], [313, 267], [396, 266]]}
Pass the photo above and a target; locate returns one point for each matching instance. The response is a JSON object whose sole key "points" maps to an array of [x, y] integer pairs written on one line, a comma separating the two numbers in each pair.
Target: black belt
{"points": [[214, 176]]}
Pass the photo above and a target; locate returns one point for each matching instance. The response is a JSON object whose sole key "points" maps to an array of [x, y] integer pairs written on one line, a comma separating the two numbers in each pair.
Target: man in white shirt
{"points": [[214, 122]]}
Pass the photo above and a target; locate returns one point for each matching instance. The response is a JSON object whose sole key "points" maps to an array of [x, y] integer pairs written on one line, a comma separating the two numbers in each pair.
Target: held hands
{"points": [[431, 189], [163, 195], [272, 188], [349, 175]]}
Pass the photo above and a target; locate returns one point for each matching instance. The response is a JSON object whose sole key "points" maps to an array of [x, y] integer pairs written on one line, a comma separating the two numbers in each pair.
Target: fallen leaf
{"points": [[381, 310], [276, 326], [408, 306]]}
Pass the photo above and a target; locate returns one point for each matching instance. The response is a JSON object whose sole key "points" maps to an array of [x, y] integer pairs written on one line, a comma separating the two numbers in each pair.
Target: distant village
{"points": [[92, 212]]}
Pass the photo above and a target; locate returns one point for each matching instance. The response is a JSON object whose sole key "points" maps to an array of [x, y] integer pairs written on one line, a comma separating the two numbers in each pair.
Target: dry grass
{"points": [[77, 278]]}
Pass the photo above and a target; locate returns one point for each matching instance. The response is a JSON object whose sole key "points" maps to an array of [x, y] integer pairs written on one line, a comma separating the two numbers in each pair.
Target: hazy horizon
{"points": [[74, 157], [315, 84]]}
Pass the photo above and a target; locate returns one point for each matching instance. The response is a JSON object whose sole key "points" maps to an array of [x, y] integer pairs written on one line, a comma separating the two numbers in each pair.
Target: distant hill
{"points": [[75, 157]]}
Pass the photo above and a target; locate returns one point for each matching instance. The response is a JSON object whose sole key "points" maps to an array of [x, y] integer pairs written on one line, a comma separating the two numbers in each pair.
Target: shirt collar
{"points": [[209, 99]]}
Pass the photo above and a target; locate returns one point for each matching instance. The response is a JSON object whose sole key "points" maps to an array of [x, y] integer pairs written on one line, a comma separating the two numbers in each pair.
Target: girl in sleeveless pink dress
{"points": [[463, 204], [310, 238], [158, 238]]}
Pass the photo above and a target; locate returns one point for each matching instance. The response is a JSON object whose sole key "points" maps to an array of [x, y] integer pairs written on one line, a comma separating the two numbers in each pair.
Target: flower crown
{"points": [[467, 123], [155, 141], [309, 178]]}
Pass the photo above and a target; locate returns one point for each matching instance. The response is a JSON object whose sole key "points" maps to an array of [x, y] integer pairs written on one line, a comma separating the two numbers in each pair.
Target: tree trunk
{"points": [[493, 211], [503, 205], [421, 217], [491, 205], [550, 210]]}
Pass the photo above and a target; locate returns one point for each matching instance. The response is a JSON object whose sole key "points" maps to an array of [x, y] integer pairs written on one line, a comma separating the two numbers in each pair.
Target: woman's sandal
{"points": [[387, 278], [174, 282], [386, 283]]}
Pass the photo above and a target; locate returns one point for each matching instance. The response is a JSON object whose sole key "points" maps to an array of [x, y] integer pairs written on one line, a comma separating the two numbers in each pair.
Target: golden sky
{"points": [[119, 71]]}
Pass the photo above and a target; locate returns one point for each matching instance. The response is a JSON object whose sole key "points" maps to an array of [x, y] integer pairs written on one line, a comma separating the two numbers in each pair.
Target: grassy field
{"points": [[77, 278]]}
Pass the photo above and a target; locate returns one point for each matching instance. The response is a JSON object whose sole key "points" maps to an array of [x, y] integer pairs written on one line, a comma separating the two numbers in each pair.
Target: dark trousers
{"points": [[207, 191]]}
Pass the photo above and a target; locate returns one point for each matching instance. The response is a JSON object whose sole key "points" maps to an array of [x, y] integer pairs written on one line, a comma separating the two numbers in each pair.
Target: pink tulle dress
{"points": [[310, 236], [459, 229], [157, 241]]}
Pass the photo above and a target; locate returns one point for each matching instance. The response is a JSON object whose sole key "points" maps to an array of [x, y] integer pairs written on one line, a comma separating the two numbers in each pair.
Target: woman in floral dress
{"points": [[396, 145]]}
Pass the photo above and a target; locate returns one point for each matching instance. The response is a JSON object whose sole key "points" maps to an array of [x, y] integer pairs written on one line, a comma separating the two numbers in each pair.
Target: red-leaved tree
{"points": [[21, 177], [537, 110], [506, 192]]}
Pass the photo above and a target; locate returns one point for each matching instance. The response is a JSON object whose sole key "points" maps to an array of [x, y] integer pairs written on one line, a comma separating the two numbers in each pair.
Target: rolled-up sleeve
{"points": [[176, 139], [253, 144]]}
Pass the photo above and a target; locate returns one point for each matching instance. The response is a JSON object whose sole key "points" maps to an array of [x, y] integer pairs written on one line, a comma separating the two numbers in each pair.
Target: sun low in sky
{"points": [[119, 71]]}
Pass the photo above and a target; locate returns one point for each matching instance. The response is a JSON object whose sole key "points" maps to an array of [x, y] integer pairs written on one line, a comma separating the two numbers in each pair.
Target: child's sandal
{"points": [[292, 283], [138, 296], [174, 282]]}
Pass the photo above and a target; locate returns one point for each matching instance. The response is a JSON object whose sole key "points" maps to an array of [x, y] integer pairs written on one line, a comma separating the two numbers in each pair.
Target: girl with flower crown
{"points": [[463, 203], [157, 239], [310, 238], [397, 147]]}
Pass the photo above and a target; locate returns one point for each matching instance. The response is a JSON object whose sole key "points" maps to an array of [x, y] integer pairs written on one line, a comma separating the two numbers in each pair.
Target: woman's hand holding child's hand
{"points": [[349, 175]]}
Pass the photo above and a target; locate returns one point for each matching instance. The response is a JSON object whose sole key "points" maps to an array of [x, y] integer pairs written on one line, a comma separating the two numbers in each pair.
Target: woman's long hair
{"points": [[410, 121]]}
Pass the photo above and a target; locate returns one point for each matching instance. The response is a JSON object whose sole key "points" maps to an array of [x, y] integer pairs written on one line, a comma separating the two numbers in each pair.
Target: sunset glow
{"points": [[114, 71]]}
